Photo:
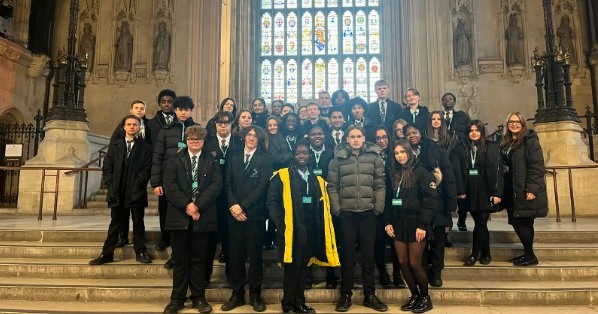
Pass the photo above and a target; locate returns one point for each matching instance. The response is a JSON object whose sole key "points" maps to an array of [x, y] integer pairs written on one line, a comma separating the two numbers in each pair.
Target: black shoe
{"points": [[257, 304], [448, 243], [516, 258], [288, 308], [527, 261], [330, 285], [174, 307], [413, 300], [122, 241], [102, 259], [143, 258], [462, 227], [233, 302], [470, 261], [169, 264], [398, 282], [436, 279], [423, 305], [162, 246], [385, 281], [202, 305], [485, 260], [373, 302], [344, 303], [303, 308]]}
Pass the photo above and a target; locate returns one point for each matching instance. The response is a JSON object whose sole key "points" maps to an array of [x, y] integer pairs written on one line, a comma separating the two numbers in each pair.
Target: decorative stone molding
{"points": [[594, 55], [121, 77], [15, 53], [490, 65], [468, 94], [160, 76], [39, 66]]}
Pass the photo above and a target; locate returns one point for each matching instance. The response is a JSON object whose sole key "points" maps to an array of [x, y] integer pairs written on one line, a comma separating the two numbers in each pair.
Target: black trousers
{"points": [[380, 250], [295, 275], [357, 228], [162, 206], [436, 250], [124, 227], [189, 254], [481, 235], [245, 242], [117, 215]]}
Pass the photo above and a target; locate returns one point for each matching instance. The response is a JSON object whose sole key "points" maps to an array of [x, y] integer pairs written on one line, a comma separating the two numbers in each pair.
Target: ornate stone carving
{"points": [[568, 27], [490, 65], [124, 48], [14, 52], [39, 66], [89, 9], [121, 77], [87, 46], [467, 99]]}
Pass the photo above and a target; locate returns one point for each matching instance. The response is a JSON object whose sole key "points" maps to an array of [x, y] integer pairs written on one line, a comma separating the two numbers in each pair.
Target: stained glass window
{"points": [[307, 46]]}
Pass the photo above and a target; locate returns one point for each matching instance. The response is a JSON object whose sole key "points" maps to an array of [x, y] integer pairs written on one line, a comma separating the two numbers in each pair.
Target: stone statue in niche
{"points": [[162, 48], [514, 37], [461, 44], [124, 48], [566, 34], [87, 45]]}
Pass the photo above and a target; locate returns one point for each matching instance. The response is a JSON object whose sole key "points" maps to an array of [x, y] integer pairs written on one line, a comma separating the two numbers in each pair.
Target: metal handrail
{"points": [[82, 198], [553, 170]]}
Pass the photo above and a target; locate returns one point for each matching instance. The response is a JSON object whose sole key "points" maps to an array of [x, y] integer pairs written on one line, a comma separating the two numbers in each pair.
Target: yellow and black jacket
{"points": [[286, 210]]}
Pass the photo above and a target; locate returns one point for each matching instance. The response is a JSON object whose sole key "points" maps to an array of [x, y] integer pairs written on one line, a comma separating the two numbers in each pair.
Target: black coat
{"points": [[458, 124], [119, 132], [393, 112], [329, 138], [280, 152], [489, 181], [135, 184], [248, 187], [421, 119], [458, 158], [260, 120], [177, 185], [527, 172], [324, 161], [155, 124], [166, 147], [212, 146], [432, 156]]}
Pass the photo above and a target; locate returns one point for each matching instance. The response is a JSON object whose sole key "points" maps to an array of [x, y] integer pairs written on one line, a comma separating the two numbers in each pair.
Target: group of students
{"points": [[344, 175]]}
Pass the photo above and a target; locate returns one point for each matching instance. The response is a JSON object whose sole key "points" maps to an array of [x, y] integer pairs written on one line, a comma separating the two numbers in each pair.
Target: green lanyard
{"points": [[473, 155], [399, 187]]}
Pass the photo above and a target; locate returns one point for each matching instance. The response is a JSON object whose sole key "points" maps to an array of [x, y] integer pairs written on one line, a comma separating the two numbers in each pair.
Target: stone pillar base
{"points": [[65, 145], [562, 145]]}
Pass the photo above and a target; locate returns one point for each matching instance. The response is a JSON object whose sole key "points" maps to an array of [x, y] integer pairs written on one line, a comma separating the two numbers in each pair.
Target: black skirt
{"points": [[405, 230]]}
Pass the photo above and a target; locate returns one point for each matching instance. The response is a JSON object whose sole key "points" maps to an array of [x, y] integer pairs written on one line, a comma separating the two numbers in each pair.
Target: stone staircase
{"points": [[96, 205], [50, 268]]}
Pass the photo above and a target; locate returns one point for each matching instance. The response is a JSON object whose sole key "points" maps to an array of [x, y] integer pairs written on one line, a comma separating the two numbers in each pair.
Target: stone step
{"points": [[540, 237], [129, 269], [88, 250], [100, 209], [477, 293], [16, 306]]}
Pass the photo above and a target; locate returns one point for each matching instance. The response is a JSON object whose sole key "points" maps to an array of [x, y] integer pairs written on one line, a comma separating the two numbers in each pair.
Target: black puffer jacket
{"points": [[527, 172], [356, 183], [166, 147]]}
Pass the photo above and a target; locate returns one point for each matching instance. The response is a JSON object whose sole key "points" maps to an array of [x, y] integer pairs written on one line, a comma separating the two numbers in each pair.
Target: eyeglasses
{"points": [[250, 135], [195, 140], [513, 122], [225, 123], [381, 138]]}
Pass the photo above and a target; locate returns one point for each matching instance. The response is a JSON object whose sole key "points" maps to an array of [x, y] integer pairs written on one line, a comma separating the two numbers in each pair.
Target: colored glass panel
{"points": [[375, 76], [361, 79], [319, 3], [333, 75], [332, 33], [347, 3], [349, 76], [266, 35], [373, 3], [306, 3], [320, 33], [360, 3], [292, 87], [360, 33], [332, 3], [348, 36], [291, 4], [279, 34], [266, 4], [279, 82], [320, 76], [374, 32], [306, 34], [279, 4], [266, 78], [307, 85], [292, 34]]}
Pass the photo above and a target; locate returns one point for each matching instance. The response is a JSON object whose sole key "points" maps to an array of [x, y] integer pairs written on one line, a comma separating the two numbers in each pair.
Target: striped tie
{"points": [[194, 190]]}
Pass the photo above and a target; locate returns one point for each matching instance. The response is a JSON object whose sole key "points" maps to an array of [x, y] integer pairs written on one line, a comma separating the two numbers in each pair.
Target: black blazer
{"points": [[324, 161], [177, 185], [135, 185], [248, 187], [393, 112]]}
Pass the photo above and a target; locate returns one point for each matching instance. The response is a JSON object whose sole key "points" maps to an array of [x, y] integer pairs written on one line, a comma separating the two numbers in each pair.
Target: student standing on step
{"points": [[162, 117], [125, 173], [484, 187], [248, 173], [357, 189], [170, 140], [524, 194], [299, 205], [411, 202], [137, 109], [192, 180]]}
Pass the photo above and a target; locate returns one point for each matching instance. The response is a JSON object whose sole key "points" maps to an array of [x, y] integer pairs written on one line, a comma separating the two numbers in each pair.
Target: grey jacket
{"points": [[356, 182]]}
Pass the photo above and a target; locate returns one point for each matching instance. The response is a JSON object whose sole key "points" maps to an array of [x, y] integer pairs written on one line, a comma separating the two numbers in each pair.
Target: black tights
{"points": [[481, 236], [524, 228], [410, 258]]}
